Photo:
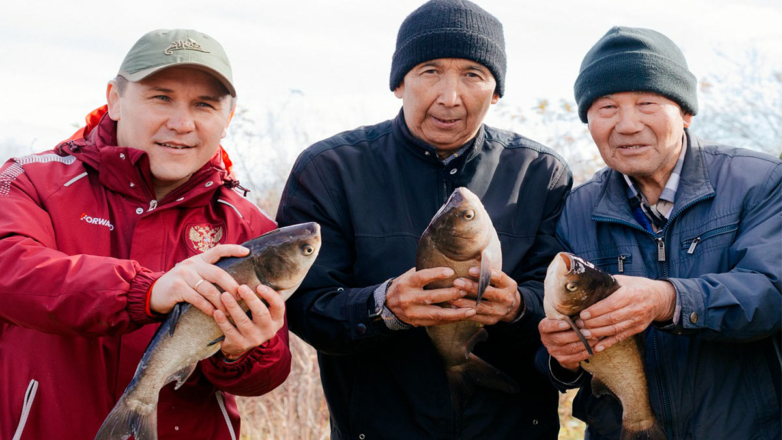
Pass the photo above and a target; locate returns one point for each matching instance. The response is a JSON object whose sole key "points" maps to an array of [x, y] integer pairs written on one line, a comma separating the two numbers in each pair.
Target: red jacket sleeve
{"points": [[261, 370], [45, 289]]}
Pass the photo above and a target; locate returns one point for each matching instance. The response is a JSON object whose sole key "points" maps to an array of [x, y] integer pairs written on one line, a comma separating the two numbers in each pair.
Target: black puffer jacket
{"points": [[374, 190]]}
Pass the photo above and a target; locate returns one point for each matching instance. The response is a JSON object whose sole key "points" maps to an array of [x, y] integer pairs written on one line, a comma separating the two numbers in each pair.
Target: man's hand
{"points": [[245, 333], [193, 280], [628, 311], [408, 300], [563, 344], [501, 301]]}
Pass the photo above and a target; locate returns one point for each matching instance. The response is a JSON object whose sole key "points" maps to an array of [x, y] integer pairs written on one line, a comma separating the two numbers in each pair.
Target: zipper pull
{"points": [[660, 249], [152, 205], [695, 242], [621, 263]]}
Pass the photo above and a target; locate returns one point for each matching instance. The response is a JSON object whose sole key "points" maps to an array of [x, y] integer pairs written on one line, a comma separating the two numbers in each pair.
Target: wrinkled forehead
{"points": [[455, 63]]}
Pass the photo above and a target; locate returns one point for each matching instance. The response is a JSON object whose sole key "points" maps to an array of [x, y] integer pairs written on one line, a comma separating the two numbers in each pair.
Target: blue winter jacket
{"points": [[715, 374]]}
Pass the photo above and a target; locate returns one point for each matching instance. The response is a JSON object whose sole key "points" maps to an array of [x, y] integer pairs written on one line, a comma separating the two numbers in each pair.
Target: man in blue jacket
{"points": [[693, 232], [374, 190]]}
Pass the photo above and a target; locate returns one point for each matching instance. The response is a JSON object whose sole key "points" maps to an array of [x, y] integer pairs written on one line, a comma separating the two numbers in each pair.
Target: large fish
{"points": [[279, 259], [573, 284], [461, 236]]}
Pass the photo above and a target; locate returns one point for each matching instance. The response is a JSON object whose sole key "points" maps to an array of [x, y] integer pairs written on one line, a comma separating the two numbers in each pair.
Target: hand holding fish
{"points": [[246, 333], [563, 344], [628, 311], [408, 300], [193, 279], [500, 302]]}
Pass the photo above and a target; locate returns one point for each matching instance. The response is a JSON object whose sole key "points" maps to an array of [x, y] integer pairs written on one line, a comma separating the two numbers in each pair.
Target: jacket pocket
{"points": [[29, 397], [692, 243], [615, 264]]}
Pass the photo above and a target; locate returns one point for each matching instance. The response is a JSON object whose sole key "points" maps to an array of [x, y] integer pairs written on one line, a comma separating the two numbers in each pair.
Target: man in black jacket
{"points": [[374, 190]]}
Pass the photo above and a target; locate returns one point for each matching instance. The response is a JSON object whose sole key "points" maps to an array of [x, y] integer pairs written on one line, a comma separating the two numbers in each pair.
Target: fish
{"points": [[460, 236], [279, 259], [572, 284]]}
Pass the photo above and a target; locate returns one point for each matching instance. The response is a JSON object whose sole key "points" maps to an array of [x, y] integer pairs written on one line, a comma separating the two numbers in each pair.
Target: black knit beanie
{"points": [[449, 29], [635, 60]]}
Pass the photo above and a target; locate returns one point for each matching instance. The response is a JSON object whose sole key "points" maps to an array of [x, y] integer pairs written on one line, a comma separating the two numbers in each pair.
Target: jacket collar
{"points": [[425, 151], [694, 185], [126, 170]]}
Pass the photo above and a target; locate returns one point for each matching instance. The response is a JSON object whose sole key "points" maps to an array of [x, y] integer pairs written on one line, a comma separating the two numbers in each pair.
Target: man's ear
{"points": [[228, 122], [496, 98], [399, 92], [687, 118], [112, 99]]}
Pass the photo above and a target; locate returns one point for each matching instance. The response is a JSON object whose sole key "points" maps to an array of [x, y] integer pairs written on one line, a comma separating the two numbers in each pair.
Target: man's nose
{"points": [[181, 121], [629, 121], [450, 92]]}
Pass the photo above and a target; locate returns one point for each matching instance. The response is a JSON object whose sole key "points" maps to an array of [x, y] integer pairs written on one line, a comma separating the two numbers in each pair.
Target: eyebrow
{"points": [[211, 98]]}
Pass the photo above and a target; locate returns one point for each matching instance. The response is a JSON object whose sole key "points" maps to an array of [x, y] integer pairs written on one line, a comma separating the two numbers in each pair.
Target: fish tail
{"points": [[463, 378], [122, 422], [655, 432]]}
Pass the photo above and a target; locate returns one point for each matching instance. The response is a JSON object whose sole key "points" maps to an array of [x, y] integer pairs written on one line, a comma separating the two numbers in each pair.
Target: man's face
{"points": [[445, 101], [638, 134], [177, 116]]}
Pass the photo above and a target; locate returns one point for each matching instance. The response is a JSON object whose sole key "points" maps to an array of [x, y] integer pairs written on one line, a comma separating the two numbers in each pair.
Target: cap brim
{"points": [[141, 74]]}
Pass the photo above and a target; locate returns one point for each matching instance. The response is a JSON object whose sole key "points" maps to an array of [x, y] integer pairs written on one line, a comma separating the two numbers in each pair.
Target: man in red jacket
{"points": [[90, 234]]}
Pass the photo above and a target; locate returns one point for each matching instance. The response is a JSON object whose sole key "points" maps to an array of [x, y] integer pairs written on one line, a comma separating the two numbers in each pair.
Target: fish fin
{"points": [[599, 388], [122, 422], [181, 376], [485, 276], [173, 318], [463, 378], [480, 335], [655, 432], [220, 339], [580, 336]]}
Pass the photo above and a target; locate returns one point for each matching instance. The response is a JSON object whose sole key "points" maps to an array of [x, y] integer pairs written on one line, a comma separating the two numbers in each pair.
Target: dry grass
{"points": [[297, 411]]}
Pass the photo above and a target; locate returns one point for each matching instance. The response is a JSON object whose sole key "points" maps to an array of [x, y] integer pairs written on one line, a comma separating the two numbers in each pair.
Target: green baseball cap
{"points": [[164, 48]]}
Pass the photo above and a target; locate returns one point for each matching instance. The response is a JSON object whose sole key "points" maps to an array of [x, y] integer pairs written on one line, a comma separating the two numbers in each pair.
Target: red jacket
{"points": [[81, 241]]}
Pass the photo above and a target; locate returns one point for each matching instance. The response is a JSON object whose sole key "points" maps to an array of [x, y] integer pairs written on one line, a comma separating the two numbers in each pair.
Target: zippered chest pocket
{"points": [[615, 264], [709, 239]]}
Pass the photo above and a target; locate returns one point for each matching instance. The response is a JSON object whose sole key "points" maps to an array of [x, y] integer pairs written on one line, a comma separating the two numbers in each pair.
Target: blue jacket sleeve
{"points": [[744, 303]]}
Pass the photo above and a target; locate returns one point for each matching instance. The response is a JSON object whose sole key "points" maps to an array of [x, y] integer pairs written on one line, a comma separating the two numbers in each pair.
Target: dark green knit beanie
{"points": [[450, 29], [635, 60]]}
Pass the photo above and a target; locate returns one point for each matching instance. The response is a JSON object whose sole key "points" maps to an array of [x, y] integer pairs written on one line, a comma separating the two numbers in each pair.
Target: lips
{"points": [[173, 146]]}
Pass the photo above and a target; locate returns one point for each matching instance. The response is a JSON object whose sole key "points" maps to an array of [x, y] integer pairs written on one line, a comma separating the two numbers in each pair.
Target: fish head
{"points": [[283, 261], [572, 284], [461, 228]]}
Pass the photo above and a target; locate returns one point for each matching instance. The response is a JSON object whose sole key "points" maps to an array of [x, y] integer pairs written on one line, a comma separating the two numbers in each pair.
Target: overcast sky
{"points": [[58, 56]]}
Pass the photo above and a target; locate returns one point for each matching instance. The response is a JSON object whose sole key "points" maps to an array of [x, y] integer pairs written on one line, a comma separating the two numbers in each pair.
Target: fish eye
{"points": [[307, 249], [469, 214], [571, 286]]}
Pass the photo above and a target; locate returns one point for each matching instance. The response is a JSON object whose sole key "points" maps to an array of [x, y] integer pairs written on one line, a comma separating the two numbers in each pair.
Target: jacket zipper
{"points": [[620, 262], [692, 243], [152, 205]]}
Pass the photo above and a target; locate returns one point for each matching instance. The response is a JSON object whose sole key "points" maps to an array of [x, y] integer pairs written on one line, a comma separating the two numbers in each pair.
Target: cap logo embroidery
{"points": [[205, 237], [190, 44]]}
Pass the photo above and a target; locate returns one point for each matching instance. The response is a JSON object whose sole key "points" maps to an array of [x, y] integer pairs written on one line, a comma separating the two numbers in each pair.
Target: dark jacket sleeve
{"points": [[531, 272], [326, 311], [744, 303]]}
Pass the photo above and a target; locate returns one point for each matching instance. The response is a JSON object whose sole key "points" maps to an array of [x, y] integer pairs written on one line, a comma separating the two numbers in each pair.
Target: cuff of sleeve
{"points": [[386, 315], [138, 295], [563, 377], [674, 324]]}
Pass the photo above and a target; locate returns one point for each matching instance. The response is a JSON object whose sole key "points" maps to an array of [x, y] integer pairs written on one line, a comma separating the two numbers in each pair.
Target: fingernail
{"points": [[585, 315], [463, 293], [448, 272], [470, 312], [586, 333], [563, 325], [475, 271], [579, 323], [459, 282], [599, 348]]}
